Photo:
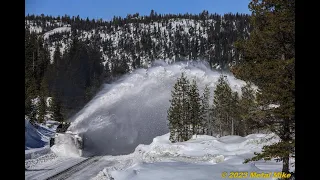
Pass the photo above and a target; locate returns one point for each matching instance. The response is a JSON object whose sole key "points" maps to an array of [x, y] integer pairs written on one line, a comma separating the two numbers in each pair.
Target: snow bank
{"points": [[202, 157], [37, 140], [43, 129], [176, 171], [34, 138], [31, 162], [203, 148], [36, 152]]}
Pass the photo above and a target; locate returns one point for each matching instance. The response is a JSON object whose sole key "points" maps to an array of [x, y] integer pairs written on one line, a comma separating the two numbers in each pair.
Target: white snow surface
{"points": [[35, 137], [48, 101], [202, 157], [46, 166], [273, 106], [36, 152], [56, 30]]}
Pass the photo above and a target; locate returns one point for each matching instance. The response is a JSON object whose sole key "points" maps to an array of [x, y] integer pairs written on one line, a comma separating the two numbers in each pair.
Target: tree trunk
{"points": [[220, 128], [286, 138], [285, 164], [232, 127]]}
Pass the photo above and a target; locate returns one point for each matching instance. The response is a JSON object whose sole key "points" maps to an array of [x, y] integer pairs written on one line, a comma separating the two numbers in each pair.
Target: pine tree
{"points": [[207, 124], [44, 87], [178, 113], [185, 106], [247, 109], [56, 110], [195, 109], [57, 55], [31, 87], [174, 113], [222, 106], [33, 112], [41, 109], [269, 62], [236, 127], [27, 106]]}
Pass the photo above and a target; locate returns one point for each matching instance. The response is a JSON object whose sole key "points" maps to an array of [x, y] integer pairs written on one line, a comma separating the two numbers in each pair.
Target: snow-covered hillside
{"points": [[202, 157], [158, 39]]}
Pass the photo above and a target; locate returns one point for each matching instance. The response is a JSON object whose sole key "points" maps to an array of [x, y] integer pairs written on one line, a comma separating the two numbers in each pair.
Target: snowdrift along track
{"points": [[73, 169]]}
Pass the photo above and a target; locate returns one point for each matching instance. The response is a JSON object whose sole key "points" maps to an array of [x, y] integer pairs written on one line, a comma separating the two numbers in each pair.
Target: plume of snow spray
{"points": [[133, 110]]}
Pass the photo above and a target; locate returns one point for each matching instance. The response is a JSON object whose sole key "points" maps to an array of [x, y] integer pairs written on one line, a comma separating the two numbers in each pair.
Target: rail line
{"points": [[73, 169]]}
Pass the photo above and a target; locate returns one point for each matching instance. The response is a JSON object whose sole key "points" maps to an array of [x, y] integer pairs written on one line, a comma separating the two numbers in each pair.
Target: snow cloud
{"points": [[133, 110]]}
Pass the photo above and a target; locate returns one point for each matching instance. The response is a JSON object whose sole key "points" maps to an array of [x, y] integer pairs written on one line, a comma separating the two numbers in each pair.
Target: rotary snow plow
{"points": [[67, 138]]}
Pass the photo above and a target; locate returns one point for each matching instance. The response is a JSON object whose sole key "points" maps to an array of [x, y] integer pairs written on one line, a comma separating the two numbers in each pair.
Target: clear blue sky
{"points": [[106, 9]]}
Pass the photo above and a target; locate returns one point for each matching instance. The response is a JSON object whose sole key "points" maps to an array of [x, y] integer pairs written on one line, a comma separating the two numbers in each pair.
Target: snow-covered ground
{"points": [[48, 165], [36, 152], [37, 138], [56, 30], [202, 157]]}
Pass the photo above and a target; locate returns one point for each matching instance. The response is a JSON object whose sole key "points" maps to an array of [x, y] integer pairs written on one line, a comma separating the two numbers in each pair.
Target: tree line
{"points": [[191, 113], [71, 78], [37, 62]]}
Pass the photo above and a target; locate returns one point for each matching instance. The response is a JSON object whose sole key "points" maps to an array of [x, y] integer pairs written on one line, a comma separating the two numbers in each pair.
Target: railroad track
{"points": [[73, 169]]}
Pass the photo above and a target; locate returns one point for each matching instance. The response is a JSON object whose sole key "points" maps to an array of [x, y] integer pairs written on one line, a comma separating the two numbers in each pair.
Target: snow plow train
{"points": [[63, 136]]}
